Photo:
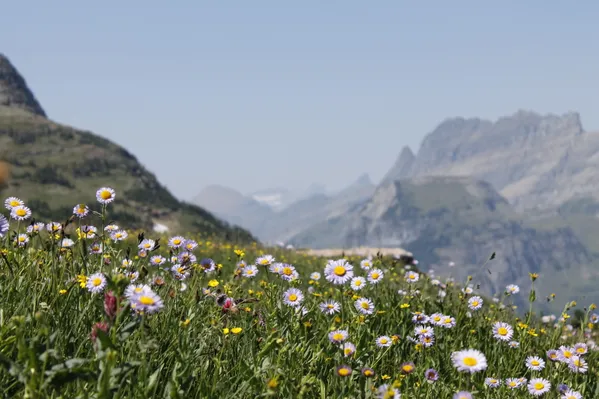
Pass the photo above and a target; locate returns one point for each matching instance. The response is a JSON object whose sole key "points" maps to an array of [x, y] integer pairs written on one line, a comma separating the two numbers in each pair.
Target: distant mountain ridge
{"points": [[54, 167]]}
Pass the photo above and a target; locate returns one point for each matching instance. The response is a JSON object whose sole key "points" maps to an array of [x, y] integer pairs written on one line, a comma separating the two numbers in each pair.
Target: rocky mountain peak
{"points": [[402, 167], [14, 91]]}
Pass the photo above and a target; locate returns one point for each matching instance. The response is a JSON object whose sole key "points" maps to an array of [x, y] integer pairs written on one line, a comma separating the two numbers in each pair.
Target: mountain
{"points": [[266, 214], [462, 220], [234, 207], [54, 167], [538, 162]]}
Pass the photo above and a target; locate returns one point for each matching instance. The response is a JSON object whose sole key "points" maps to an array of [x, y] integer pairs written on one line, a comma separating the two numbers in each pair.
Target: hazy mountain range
{"points": [[525, 186]]}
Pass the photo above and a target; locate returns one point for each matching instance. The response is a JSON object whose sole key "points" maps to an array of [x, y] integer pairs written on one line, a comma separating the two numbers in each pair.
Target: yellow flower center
{"points": [[535, 362], [411, 276], [344, 372], [337, 337], [474, 303], [567, 354], [293, 297], [14, 203], [383, 341], [21, 212], [176, 241], [512, 383], [264, 262], [146, 300], [364, 305], [580, 350], [470, 361], [358, 283], [96, 281], [287, 271], [105, 194], [502, 331], [375, 276], [407, 368], [539, 386], [339, 270], [330, 306]]}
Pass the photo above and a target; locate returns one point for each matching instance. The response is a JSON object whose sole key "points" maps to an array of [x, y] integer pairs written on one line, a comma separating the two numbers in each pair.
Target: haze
{"points": [[265, 94]]}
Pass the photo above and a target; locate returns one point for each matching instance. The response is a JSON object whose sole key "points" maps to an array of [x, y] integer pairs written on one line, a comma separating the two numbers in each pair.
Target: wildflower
{"points": [[383, 341], [448, 322], [419, 318], [427, 340], [366, 264], [407, 368], [469, 360], [492, 382], [538, 386], [292, 297], [431, 375], [364, 306], [3, 226], [105, 195], [12, 202], [95, 248], [463, 395], [338, 336], [553, 355], [265, 260], [31, 229], [236, 330], [368, 372], [190, 245], [180, 272], [157, 260], [21, 240], [386, 391], [339, 271], [412, 277], [213, 283], [186, 257], [565, 353], [208, 265], [512, 383], [315, 276], [111, 227], [423, 330], [250, 271], [475, 303], [514, 344], [577, 364], [147, 244], [344, 371], [569, 394], [330, 307], [146, 302], [512, 289], [176, 242], [580, 348], [110, 304], [348, 349], [535, 363], [288, 272], [119, 235], [62, 292], [375, 276], [20, 212], [502, 331], [80, 210], [357, 283], [96, 283]]}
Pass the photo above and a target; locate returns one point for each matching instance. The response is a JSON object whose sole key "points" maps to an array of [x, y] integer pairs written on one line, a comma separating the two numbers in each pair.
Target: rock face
{"points": [[535, 161], [14, 91], [461, 220], [53, 167]]}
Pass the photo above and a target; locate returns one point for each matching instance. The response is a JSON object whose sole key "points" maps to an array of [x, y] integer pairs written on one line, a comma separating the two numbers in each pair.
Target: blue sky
{"points": [[256, 94]]}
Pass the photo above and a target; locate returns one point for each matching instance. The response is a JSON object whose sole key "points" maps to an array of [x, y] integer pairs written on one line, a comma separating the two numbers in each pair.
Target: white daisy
{"points": [[375, 276], [339, 271], [357, 283], [96, 283], [293, 297], [469, 360], [364, 306], [538, 386]]}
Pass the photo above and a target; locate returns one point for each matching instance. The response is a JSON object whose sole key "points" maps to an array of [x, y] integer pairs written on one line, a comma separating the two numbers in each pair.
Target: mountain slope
{"points": [[461, 220], [535, 161], [54, 167]]}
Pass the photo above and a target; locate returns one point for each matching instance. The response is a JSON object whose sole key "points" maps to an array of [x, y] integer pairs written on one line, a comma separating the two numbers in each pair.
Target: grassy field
{"points": [[88, 313]]}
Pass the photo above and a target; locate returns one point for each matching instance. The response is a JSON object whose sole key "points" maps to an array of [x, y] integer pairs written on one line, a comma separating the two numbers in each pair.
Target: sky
{"points": [[259, 94]]}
